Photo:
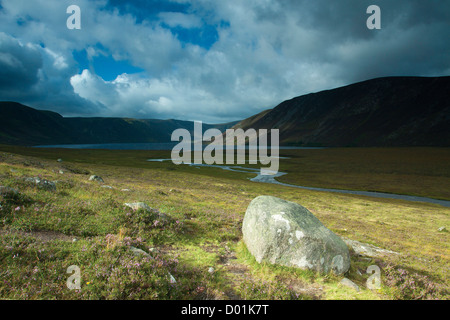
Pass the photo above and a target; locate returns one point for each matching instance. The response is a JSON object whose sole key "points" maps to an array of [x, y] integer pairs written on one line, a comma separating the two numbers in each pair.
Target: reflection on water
{"points": [[144, 146]]}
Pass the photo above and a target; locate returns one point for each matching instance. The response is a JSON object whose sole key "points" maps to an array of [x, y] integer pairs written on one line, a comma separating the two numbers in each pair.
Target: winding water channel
{"points": [[271, 179]]}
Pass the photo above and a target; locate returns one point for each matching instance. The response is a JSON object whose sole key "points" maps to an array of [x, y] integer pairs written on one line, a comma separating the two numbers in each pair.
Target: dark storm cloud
{"points": [[413, 39], [38, 77], [19, 65], [212, 60]]}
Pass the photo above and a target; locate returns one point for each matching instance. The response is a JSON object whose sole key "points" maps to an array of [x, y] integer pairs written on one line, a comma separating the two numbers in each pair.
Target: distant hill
{"points": [[392, 111], [22, 125]]}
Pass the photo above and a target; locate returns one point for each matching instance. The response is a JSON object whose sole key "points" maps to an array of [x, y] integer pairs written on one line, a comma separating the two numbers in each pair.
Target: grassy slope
{"points": [[207, 207], [388, 111]]}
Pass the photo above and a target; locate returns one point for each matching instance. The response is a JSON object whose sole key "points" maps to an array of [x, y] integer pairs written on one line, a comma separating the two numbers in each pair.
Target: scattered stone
{"points": [[42, 183], [211, 270], [365, 249], [349, 283], [96, 178], [138, 205], [172, 279], [74, 240], [285, 233], [153, 250], [59, 160], [138, 252], [442, 229], [108, 187], [61, 172], [142, 205], [125, 190]]}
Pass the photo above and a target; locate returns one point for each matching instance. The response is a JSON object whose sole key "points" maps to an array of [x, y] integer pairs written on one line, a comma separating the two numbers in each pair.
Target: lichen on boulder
{"points": [[285, 233]]}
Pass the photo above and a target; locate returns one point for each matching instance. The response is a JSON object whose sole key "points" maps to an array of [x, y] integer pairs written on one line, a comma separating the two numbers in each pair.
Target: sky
{"points": [[208, 60]]}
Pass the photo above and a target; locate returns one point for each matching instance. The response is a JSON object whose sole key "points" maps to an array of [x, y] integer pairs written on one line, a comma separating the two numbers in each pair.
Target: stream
{"points": [[271, 179]]}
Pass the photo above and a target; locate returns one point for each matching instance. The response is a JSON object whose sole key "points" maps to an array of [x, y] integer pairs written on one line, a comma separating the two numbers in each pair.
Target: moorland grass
{"points": [[206, 207]]}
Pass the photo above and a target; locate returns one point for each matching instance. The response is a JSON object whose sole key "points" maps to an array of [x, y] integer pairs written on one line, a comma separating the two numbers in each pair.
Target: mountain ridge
{"points": [[23, 125], [381, 112], [389, 111]]}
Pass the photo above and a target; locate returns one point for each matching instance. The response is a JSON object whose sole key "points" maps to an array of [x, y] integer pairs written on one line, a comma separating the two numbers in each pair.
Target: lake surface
{"points": [[271, 179], [115, 146], [140, 146]]}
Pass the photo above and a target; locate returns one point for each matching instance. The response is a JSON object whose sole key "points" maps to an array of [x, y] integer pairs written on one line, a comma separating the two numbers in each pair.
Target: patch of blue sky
{"points": [[204, 37], [24, 20], [146, 9], [149, 10], [104, 66]]}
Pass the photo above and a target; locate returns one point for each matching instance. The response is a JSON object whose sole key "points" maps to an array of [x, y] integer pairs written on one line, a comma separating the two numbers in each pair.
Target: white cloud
{"points": [[266, 52]]}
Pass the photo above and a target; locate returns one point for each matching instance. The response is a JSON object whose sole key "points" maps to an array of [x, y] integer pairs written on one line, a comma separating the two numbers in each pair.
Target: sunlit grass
{"points": [[206, 207]]}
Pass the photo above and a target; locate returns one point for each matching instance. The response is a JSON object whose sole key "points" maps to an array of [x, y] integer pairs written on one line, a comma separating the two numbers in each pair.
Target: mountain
{"points": [[392, 111], [22, 125]]}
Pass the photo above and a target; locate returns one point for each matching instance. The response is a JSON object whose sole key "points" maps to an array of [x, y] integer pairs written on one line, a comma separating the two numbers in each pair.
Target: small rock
{"points": [[59, 160], [211, 270], [74, 240], [153, 250], [138, 205], [42, 183], [172, 279], [95, 178], [61, 172], [125, 190], [108, 187], [365, 249], [138, 252], [348, 283], [442, 229], [144, 206]]}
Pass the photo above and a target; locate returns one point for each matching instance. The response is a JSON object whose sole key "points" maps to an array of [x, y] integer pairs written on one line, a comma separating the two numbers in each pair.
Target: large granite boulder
{"points": [[285, 233]]}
